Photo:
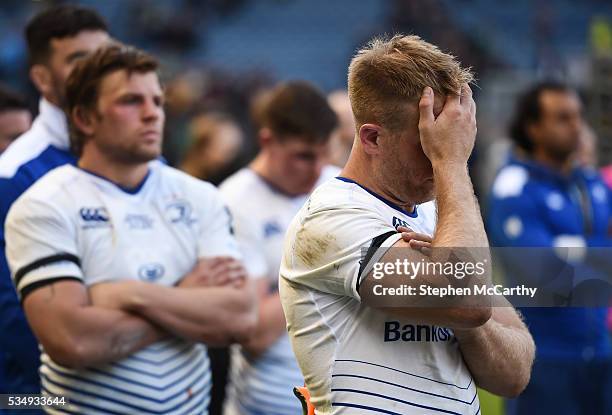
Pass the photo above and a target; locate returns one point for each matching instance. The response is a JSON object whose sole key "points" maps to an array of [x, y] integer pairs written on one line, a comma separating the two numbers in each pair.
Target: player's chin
{"points": [[146, 153]]}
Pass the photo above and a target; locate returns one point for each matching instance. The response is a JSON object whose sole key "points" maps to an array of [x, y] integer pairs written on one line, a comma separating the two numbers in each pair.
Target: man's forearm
{"points": [[499, 354], [212, 315], [75, 333], [459, 220], [93, 336], [116, 335]]}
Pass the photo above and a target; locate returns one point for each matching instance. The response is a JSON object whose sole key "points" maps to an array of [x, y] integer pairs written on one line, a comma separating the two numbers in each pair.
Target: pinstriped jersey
{"points": [[356, 359], [74, 224]]}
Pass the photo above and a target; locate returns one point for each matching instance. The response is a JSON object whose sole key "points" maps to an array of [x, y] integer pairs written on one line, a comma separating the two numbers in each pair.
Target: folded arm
{"points": [[75, 333], [215, 315]]}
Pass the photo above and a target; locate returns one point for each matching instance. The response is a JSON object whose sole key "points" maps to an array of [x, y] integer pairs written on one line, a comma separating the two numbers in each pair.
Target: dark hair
{"points": [[528, 111], [11, 100], [83, 84], [56, 23], [296, 108]]}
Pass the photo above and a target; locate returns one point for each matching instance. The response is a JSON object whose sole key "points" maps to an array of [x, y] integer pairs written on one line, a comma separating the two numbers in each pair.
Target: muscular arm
{"points": [[499, 353], [271, 322], [76, 334], [215, 315], [459, 235]]}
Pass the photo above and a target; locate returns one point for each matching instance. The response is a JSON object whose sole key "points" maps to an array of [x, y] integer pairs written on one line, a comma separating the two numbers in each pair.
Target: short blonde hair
{"points": [[387, 74]]}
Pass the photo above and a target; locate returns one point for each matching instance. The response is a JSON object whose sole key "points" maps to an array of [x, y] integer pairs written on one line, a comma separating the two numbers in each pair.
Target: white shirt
{"points": [[74, 224], [261, 215], [353, 360]]}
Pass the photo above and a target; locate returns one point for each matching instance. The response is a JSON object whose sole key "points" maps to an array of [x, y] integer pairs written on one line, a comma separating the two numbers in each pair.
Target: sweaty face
{"points": [[13, 123], [296, 164], [558, 131], [65, 53], [129, 120]]}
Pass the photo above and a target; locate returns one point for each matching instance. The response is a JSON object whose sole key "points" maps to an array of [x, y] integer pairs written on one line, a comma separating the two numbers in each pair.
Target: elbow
{"points": [[514, 389], [245, 325], [518, 375], [522, 376], [73, 354], [515, 385]]}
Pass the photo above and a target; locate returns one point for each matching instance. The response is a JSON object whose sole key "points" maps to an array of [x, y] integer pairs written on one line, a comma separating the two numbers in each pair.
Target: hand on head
{"points": [[449, 137]]}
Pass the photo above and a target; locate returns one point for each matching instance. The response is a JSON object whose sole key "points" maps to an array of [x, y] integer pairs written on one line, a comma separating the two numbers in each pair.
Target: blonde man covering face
{"points": [[415, 129]]}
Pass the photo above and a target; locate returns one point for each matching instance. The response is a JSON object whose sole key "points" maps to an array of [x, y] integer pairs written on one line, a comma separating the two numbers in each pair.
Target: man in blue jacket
{"points": [[542, 199], [57, 38]]}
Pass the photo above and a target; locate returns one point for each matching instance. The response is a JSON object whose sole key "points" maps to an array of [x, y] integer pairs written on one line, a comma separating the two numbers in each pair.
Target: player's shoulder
{"points": [[26, 148], [511, 181], [242, 182], [52, 183], [339, 193], [47, 195]]}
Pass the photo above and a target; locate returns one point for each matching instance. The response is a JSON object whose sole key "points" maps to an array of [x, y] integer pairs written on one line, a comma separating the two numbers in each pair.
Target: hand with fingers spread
{"points": [[449, 137], [418, 241], [215, 272]]}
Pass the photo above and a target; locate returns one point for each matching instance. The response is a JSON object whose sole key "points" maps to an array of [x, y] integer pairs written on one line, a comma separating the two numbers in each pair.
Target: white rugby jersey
{"points": [[356, 359], [74, 224], [261, 215]]}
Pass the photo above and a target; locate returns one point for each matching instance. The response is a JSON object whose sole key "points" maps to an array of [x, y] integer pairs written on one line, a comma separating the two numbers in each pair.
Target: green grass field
{"points": [[490, 404]]}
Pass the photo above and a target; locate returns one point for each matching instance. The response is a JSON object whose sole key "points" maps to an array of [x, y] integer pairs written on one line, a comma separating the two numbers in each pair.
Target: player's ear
{"points": [[42, 79], [368, 136], [533, 131], [82, 120], [265, 137]]}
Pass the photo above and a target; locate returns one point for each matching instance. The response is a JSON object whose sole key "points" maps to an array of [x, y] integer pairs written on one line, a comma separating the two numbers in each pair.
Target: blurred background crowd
{"points": [[220, 56]]}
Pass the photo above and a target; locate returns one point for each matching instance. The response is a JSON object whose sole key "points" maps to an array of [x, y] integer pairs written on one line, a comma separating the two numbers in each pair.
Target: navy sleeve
{"points": [[18, 344]]}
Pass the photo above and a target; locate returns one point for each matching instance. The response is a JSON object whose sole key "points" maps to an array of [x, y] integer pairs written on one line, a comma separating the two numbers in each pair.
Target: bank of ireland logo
{"points": [[180, 212], [151, 272]]}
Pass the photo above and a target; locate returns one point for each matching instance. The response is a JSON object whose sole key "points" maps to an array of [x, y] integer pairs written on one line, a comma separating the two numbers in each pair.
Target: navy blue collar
{"points": [[382, 199], [129, 190]]}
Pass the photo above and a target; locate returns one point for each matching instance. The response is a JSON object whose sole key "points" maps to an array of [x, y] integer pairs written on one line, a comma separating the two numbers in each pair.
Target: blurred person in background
{"points": [[15, 117], [342, 139], [123, 319], [294, 124], [57, 39], [545, 197], [214, 149], [213, 153]]}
